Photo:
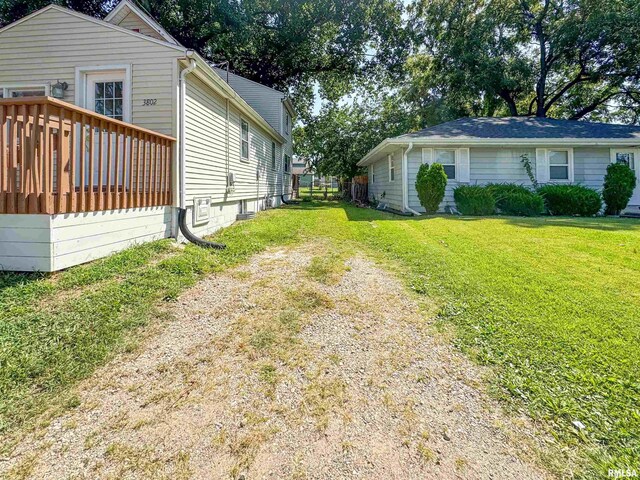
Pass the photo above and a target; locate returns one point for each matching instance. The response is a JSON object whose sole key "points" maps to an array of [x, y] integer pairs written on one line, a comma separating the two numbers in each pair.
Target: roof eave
{"points": [[218, 82]]}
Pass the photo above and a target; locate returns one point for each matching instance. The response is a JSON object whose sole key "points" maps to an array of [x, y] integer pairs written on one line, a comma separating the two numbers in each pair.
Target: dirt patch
{"points": [[296, 365]]}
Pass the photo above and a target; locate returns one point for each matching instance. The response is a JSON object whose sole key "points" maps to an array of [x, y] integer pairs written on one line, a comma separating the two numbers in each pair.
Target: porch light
{"points": [[57, 90]]}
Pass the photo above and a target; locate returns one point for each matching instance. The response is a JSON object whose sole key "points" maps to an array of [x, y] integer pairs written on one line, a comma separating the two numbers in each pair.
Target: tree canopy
{"points": [[561, 58], [386, 67]]}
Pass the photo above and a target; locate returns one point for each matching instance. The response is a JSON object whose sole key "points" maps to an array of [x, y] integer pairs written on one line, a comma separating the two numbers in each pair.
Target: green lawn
{"points": [[318, 193], [551, 304]]}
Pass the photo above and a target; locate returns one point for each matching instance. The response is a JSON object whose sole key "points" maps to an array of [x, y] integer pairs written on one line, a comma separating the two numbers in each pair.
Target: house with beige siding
{"points": [[110, 128], [490, 150]]}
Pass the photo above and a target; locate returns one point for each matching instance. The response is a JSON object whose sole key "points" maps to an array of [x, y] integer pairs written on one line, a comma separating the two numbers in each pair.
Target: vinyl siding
{"points": [[49, 46], [264, 100], [590, 165], [392, 191], [132, 21], [504, 165], [205, 146]]}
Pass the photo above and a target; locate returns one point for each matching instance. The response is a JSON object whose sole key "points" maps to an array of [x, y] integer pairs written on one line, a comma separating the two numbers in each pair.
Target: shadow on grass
{"points": [[16, 279], [357, 214]]}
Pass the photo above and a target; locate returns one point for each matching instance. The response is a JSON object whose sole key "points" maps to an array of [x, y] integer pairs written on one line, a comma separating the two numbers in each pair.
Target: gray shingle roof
{"points": [[523, 127]]}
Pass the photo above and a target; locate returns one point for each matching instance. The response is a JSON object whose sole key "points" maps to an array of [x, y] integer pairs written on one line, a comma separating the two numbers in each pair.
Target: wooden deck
{"points": [[59, 158]]}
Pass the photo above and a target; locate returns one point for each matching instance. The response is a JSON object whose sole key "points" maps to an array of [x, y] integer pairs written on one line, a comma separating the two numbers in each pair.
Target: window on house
{"points": [[558, 165], [447, 158], [273, 155], [628, 158], [244, 148], [109, 99], [287, 163], [286, 122], [392, 169], [17, 92]]}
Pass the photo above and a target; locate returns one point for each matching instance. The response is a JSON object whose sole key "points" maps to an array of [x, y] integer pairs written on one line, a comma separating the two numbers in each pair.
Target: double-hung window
{"points": [[287, 163], [446, 158], [392, 169], [626, 157], [273, 155], [559, 165], [244, 140], [287, 120]]}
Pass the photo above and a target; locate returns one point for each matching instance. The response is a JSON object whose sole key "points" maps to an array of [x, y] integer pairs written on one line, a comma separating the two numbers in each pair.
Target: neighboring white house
{"points": [[161, 130], [490, 150]]}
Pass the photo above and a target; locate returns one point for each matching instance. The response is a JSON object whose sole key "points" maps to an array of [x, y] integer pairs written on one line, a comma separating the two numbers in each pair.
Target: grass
{"points": [[551, 304]]}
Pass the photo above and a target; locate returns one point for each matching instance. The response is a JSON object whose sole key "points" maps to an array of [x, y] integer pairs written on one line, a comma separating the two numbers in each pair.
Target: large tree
{"points": [[561, 58], [293, 45]]}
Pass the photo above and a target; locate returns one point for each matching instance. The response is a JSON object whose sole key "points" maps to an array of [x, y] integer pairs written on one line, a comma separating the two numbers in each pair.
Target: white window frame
{"points": [[454, 164], [287, 121], [287, 164], [24, 86], [274, 161], [248, 140], [392, 168], [569, 165], [636, 156], [82, 74]]}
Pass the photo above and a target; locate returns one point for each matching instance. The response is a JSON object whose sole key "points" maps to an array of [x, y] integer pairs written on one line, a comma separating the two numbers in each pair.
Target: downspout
{"points": [[405, 181], [182, 210]]}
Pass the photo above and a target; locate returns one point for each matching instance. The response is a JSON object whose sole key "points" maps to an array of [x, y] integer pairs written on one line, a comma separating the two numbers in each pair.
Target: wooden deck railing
{"points": [[59, 158]]}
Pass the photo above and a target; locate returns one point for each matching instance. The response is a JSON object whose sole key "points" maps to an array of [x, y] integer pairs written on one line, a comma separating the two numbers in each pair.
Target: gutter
{"points": [[405, 181], [183, 95]]}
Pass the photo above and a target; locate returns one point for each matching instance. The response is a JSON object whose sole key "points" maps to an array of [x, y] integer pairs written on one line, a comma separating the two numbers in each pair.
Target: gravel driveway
{"points": [[298, 364]]}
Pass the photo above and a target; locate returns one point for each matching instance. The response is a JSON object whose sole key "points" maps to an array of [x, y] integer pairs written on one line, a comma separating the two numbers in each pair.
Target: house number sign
{"points": [[149, 102]]}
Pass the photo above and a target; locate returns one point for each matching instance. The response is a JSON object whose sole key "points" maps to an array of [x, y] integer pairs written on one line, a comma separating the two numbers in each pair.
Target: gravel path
{"points": [[292, 366]]}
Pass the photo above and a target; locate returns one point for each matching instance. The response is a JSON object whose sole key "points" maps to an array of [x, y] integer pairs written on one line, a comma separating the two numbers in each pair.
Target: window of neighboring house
{"points": [[628, 158], [273, 155], [287, 163], [109, 99], [27, 91], [286, 123], [392, 169], [558, 165], [446, 158], [244, 148]]}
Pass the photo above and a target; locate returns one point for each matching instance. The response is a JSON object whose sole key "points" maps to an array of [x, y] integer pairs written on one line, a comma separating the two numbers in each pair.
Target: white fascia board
{"points": [[217, 83], [573, 142]]}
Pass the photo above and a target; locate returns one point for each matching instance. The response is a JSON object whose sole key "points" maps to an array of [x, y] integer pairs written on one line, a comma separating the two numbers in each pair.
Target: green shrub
{"points": [[570, 200], [619, 183], [431, 183], [515, 199], [523, 204], [474, 200]]}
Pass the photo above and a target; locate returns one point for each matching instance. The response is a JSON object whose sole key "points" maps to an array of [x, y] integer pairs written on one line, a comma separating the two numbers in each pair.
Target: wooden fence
{"points": [[59, 158]]}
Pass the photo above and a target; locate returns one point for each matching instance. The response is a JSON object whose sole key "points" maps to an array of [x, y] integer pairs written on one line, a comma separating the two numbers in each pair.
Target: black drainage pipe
{"points": [[182, 222], [288, 202]]}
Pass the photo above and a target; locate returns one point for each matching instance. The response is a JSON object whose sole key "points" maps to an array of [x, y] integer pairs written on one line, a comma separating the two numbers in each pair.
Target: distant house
{"points": [[484, 150], [140, 128]]}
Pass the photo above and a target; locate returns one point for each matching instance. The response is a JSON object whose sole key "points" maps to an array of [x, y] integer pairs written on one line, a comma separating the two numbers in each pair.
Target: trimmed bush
{"points": [[474, 200], [571, 200], [522, 204], [514, 199], [619, 183], [431, 183]]}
